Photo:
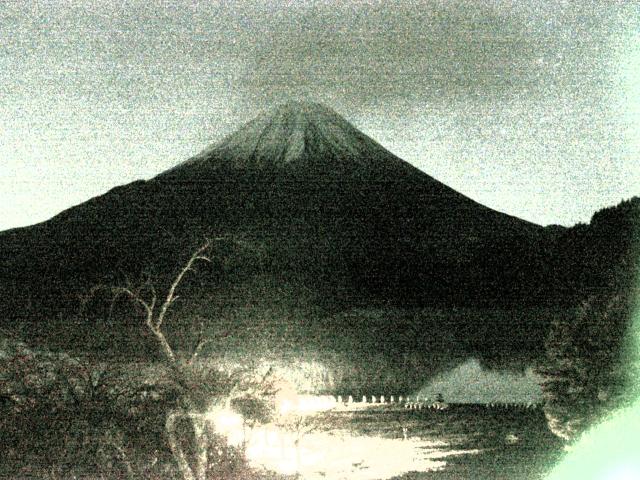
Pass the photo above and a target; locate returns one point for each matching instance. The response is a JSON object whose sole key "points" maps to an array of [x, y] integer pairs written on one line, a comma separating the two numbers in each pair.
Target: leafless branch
{"points": [[134, 296], [197, 255], [199, 348], [85, 298], [143, 296], [200, 343], [115, 296]]}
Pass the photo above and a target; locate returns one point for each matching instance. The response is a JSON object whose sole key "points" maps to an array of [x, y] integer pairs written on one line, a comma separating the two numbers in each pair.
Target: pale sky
{"points": [[530, 107]]}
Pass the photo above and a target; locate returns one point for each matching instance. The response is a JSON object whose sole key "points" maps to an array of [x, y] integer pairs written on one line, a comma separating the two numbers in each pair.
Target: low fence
{"points": [[417, 402]]}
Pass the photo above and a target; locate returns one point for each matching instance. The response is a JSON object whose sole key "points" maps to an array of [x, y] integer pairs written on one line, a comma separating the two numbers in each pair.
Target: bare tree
{"points": [[197, 383], [146, 298]]}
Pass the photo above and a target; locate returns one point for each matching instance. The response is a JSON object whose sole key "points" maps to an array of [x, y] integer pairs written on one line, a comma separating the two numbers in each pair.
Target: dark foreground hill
{"points": [[316, 221]]}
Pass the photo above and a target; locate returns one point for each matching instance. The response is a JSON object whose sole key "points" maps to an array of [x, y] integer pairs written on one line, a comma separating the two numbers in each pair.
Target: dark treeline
{"points": [[598, 257], [590, 366]]}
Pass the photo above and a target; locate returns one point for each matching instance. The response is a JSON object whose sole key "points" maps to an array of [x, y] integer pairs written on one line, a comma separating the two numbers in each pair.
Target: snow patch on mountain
{"points": [[299, 135]]}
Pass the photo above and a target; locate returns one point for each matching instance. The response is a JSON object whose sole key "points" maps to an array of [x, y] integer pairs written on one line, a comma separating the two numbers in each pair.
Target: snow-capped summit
{"points": [[298, 138], [290, 130]]}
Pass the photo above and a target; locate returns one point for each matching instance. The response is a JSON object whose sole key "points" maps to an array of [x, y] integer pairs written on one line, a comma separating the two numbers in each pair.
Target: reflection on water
{"points": [[385, 441], [335, 454], [339, 455]]}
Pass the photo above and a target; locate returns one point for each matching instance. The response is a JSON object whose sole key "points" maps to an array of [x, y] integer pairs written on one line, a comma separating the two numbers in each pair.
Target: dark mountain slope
{"points": [[334, 193], [301, 197]]}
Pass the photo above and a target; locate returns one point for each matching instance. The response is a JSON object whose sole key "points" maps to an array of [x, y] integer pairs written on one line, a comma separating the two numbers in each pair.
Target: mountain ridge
{"points": [[373, 233]]}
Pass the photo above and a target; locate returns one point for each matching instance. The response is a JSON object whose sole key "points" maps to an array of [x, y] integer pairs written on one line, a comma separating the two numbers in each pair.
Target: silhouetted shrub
{"points": [[586, 371]]}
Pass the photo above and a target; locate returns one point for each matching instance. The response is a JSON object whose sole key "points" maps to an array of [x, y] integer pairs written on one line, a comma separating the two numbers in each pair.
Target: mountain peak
{"points": [[289, 131], [302, 107], [298, 137], [298, 114]]}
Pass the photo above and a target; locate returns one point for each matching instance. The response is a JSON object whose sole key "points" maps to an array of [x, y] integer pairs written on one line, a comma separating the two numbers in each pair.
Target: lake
{"points": [[384, 442]]}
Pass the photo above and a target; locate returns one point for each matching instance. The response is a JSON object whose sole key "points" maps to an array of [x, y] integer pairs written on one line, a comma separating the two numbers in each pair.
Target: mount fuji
{"points": [[315, 219]]}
